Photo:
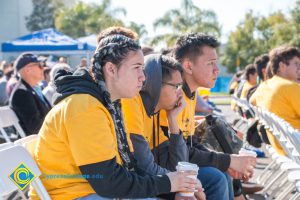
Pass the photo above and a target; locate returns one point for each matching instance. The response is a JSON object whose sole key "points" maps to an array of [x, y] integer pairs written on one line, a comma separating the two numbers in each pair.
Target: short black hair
{"points": [[249, 69], [169, 65], [260, 63], [191, 44]]}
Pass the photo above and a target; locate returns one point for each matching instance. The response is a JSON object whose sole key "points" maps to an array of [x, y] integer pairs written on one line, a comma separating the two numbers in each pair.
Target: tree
{"points": [[241, 44], [188, 19], [257, 35], [140, 29], [295, 12], [83, 19], [42, 15]]}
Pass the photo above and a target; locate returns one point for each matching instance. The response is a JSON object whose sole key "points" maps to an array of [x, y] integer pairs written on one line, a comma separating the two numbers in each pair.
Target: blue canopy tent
{"points": [[47, 40]]}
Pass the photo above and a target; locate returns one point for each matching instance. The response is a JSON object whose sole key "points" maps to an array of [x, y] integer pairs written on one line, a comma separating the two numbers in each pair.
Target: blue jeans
{"points": [[217, 185], [97, 197], [93, 197]]}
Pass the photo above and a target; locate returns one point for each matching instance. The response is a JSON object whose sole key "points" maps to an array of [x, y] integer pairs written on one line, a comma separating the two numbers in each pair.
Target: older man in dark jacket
{"points": [[27, 99]]}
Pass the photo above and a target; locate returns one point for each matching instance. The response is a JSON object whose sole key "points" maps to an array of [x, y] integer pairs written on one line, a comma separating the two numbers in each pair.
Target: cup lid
{"points": [[248, 152], [187, 166]]}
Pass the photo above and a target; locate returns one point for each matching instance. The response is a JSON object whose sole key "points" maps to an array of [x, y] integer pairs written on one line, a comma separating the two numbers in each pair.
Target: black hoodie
{"points": [[200, 155], [170, 152], [117, 182]]}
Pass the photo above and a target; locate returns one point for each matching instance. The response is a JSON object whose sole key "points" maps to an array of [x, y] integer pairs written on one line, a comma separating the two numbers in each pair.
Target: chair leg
{"points": [[275, 179], [296, 196], [277, 189], [286, 191], [5, 135], [264, 173]]}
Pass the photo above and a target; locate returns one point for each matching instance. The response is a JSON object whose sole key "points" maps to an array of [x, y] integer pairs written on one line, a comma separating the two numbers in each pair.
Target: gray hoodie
{"points": [[169, 152]]}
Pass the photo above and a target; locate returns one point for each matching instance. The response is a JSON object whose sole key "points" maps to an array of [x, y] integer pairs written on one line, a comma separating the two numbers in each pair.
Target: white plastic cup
{"points": [[184, 167], [246, 152]]}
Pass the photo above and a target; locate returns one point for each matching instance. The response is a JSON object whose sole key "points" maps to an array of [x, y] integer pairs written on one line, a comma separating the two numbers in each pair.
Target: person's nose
{"points": [[142, 76]]}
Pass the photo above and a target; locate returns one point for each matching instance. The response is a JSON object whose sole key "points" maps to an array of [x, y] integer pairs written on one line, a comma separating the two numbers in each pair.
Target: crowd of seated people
{"points": [[277, 89], [128, 118]]}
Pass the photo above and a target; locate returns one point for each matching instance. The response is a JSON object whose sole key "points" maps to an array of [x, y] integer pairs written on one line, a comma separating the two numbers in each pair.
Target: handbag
{"points": [[219, 135]]}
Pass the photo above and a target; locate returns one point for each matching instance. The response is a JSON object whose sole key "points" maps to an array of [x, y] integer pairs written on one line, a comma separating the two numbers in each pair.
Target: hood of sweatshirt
{"points": [[151, 89], [80, 82]]}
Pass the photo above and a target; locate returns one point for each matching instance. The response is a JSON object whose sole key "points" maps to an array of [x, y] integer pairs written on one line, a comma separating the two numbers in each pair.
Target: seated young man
{"points": [[281, 94], [162, 90], [197, 54]]}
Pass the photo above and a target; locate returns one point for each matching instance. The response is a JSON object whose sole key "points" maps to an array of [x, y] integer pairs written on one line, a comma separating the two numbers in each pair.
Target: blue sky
{"points": [[229, 12]]}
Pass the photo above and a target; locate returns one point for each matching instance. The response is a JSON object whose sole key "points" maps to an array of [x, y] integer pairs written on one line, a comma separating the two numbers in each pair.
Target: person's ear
{"points": [[187, 66], [110, 69], [282, 67]]}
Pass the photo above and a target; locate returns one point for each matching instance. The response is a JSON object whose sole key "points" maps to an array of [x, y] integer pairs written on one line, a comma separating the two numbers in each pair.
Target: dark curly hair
{"points": [[190, 45], [260, 63], [169, 65], [282, 54], [249, 70]]}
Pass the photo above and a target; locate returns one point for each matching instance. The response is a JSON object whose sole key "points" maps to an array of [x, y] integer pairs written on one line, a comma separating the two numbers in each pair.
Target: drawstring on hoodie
{"points": [[191, 135], [155, 130], [157, 125], [154, 140]]}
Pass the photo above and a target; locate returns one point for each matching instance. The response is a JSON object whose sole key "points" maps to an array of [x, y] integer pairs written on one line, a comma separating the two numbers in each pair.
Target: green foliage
{"points": [[257, 35], [189, 18], [140, 29], [42, 15], [83, 19]]}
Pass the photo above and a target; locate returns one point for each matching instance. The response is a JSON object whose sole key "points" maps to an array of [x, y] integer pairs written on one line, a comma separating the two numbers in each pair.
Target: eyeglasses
{"points": [[177, 86]]}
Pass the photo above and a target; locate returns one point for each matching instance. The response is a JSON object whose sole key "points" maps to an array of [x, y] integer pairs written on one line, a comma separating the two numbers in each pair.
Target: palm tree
{"points": [[188, 19]]}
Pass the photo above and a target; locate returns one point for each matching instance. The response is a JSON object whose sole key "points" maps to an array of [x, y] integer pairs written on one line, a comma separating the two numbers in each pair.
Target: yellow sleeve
{"points": [[245, 91], [294, 97], [252, 99], [133, 116], [91, 135]]}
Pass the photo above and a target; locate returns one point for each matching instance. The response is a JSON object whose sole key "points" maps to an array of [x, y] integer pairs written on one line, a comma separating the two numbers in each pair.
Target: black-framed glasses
{"points": [[177, 86]]}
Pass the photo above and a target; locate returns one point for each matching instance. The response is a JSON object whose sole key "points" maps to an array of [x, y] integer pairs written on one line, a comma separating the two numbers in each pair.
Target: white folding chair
{"points": [[29, 143], [6, 145], [9, 118], [15, 160]]}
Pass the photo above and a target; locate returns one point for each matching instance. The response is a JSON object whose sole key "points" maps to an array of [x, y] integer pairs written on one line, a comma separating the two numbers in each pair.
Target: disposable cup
{"points": [[185, 167]]}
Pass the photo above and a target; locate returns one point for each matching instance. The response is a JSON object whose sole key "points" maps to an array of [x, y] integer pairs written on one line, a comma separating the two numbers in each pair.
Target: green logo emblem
{"points": [[22, 176]]}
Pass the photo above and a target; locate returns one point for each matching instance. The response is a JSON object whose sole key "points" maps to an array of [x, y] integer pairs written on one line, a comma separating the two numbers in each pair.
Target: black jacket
{"points": [[168, 153], [200, 155], [29, 108], [117, 182]]}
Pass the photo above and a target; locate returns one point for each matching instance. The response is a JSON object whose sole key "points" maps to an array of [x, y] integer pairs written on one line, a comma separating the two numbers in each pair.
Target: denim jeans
{"points": [[97, 197], [217, 185], [93, 197]]}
